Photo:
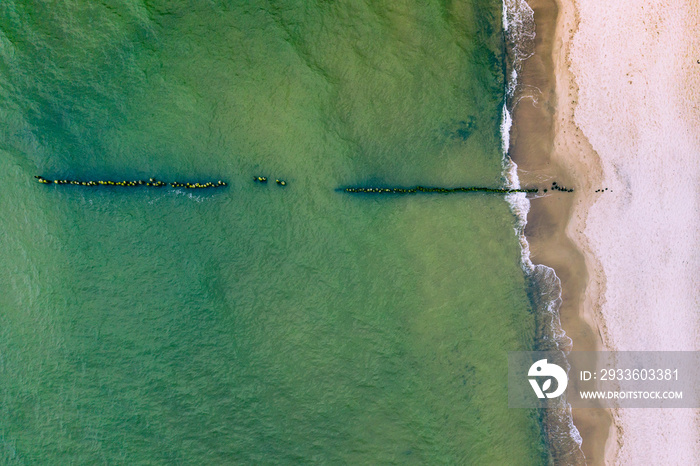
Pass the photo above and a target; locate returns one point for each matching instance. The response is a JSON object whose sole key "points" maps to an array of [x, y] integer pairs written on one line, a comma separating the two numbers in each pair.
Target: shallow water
{"points": [[256, 323]]}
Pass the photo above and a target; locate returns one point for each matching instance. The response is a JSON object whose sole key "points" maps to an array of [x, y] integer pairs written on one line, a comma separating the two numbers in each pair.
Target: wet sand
{"points": [[619, 109], [541, 155]]}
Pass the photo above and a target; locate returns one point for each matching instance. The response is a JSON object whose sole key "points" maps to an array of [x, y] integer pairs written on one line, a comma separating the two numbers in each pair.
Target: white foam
{"points": [[519, 27]]}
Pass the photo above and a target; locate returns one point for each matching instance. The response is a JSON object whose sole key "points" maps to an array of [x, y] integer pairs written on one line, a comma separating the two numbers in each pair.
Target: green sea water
{"points": [[256, 324]]}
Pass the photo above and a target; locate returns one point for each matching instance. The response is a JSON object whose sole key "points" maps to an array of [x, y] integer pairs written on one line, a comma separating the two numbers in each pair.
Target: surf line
{"points": [[151, 183]]}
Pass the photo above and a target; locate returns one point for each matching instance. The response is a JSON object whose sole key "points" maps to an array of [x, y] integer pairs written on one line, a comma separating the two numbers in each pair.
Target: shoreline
{"points": [[543, 114]]}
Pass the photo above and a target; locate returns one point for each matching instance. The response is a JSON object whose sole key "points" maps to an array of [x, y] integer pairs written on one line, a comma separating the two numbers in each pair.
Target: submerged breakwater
{"points": [[434, 190], [155, 183], [151, 183]]}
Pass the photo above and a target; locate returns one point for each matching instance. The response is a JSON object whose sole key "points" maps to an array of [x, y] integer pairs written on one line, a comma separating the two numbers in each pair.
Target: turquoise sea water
{"points": [[256, 324]]}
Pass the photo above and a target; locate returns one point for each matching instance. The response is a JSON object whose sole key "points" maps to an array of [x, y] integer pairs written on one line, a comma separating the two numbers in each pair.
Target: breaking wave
{"points": [[545, 293]]}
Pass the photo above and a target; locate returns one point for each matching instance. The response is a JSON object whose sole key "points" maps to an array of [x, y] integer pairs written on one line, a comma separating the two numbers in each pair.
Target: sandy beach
{"points": [[608, 100], [627, 119]]}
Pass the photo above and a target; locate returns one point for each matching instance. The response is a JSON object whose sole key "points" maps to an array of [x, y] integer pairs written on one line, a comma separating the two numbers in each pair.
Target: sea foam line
{"points": [[519, 30]]}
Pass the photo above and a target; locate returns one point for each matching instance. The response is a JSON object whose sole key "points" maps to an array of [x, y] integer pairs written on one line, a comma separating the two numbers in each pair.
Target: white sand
{"points": [[628, 119], [634, 65]]}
